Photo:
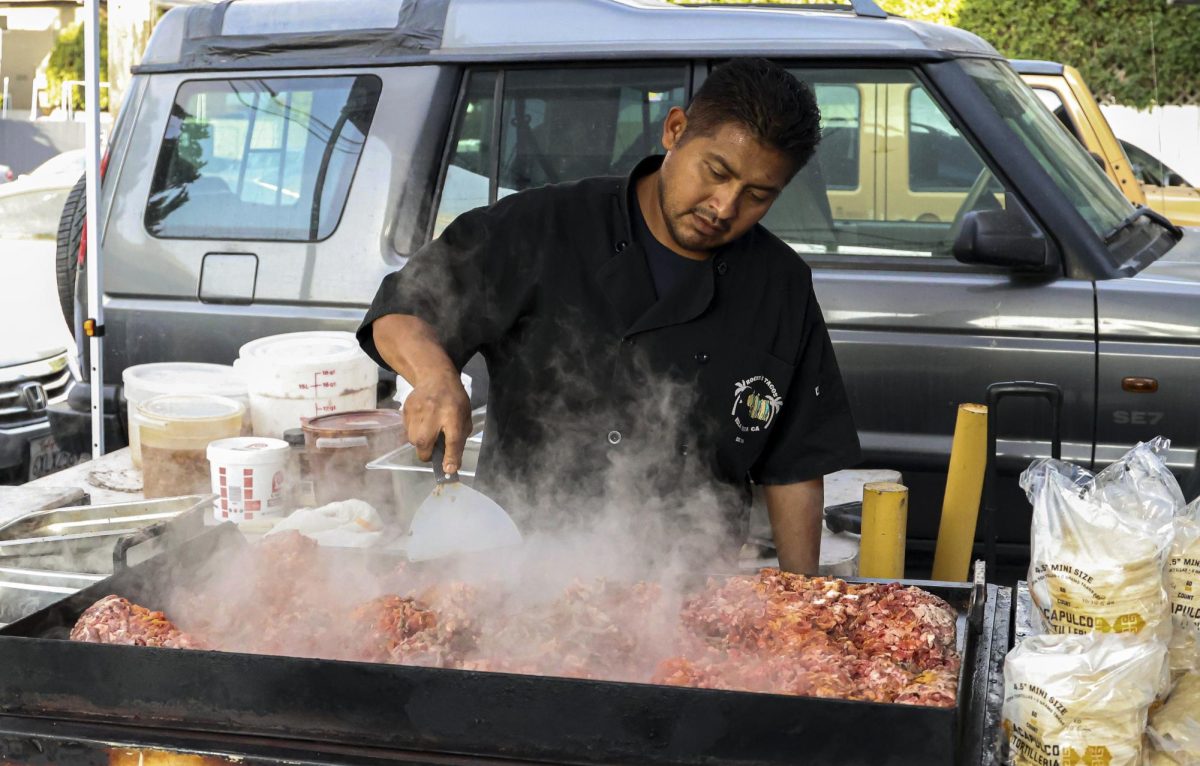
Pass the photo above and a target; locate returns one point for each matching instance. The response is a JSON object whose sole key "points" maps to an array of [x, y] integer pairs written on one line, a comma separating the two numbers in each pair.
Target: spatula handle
{"points": [[439, 461]]}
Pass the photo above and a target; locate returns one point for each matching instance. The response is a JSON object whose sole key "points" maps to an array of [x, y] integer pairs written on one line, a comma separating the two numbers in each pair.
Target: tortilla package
{"points": [[1080, 699], [1099, 544], [1175, 728], [1183, 587]]}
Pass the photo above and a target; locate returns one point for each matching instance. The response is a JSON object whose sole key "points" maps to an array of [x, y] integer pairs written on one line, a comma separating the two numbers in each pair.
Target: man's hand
{"points": [[439, 405], [438, 402], [796, 512]]}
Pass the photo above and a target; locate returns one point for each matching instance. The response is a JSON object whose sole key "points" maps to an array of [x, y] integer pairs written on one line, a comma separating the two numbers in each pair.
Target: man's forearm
{"points": [[796, 520], [411, 348], [438, 404]]}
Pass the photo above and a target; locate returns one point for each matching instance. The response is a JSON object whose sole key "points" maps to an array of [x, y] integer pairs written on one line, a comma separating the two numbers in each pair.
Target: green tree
{"points": [[66, 63], [938, 11], [1132, 52]]}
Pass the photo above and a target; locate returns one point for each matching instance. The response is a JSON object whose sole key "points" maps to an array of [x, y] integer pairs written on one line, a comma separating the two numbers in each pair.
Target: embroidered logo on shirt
{"points": [[756, 402]]}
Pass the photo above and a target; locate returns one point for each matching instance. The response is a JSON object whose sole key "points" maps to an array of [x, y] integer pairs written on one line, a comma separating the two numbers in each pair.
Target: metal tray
{"points": [[412, 480], [82, 538], [462, 713], [24, 591]]}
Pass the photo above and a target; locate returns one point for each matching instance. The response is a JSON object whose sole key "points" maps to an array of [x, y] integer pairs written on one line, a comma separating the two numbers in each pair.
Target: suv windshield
{"points": [[1073, 170]]}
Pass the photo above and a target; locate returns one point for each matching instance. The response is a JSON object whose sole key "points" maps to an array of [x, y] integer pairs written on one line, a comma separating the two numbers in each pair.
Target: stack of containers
{"points": [[295, 377], [1080, 692], [189, 423], [143, 382]]}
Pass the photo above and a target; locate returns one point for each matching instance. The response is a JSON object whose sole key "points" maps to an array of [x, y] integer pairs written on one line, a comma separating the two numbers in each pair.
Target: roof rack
{"points": [[865, 8]]}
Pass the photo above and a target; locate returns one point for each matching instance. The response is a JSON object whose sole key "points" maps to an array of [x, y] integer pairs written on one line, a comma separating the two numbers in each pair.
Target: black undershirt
{"points": [[667, 267]]}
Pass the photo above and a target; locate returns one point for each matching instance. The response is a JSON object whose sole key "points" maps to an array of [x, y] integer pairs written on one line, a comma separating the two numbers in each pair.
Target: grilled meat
{"points": [[114, 620], [790, 634], [772, 632]]}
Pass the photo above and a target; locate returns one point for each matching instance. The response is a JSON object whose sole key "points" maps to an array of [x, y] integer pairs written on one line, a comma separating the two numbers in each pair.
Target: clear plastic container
{"points": [[339, 447], [176, 431], [145, 381]]}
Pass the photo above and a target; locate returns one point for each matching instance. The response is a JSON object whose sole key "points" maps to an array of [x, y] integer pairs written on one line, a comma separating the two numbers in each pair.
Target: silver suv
{"points": [[270, 166]]}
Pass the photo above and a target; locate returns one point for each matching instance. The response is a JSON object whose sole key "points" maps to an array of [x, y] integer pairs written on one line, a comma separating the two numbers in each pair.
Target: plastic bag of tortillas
{"points": [[1183, 588], [1099, 544], [1175, 727], [1080, 699]]}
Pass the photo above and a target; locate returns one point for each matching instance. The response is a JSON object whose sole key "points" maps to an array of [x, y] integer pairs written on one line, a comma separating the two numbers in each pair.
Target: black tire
{"points": [[66, 259]]}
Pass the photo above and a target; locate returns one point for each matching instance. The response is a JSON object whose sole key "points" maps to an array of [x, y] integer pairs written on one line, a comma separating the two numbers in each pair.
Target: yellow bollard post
{"points": [[964, 488], [884, 530]]}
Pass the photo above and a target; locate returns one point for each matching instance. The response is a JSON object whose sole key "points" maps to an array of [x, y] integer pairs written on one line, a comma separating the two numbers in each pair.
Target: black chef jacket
{"points": [[599, 390]]}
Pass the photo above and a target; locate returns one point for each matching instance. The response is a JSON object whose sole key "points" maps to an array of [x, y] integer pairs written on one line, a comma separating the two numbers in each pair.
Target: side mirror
{"points": [[1003, 238]]}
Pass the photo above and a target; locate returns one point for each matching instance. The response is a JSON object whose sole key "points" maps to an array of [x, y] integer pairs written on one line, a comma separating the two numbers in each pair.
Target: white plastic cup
{"points": [[248, 477]]}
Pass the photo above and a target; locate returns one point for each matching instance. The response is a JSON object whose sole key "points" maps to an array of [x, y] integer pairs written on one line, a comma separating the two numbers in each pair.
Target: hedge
{"points": [[1108, 41]]}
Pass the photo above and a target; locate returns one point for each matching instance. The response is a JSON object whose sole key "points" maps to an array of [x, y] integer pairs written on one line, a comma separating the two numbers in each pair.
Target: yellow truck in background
{"points": [[889, 152], [1143, 178]]}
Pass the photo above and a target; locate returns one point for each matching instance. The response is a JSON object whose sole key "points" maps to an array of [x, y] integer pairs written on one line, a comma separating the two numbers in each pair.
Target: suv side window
{"points": [[891, 176], [555, 125], [261, 158], [939, 158], [841, 118], [468, 185]]}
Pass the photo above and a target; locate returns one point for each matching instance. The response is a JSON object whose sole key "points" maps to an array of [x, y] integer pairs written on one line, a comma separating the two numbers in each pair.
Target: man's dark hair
{"points": [[762, 96]]}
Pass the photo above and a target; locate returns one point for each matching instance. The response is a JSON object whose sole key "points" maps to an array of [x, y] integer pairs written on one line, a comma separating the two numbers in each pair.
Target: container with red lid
{"points": [[340, 445]]}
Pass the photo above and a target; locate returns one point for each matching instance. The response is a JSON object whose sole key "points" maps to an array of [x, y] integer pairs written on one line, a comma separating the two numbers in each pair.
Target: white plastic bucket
{"points": [[146, 381], [305, 375], [248, 477]]}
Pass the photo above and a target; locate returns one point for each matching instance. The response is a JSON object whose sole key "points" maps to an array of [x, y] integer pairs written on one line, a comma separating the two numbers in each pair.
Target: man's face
{"points": [[714, 188]]}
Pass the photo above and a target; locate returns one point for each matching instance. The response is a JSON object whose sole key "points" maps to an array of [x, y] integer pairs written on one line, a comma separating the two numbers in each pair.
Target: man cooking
{"points": [[643, 335]]}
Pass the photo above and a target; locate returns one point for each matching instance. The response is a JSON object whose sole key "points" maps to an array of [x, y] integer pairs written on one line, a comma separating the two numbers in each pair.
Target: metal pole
{"points": [[884, 530], [964, 488], [94, 265]]}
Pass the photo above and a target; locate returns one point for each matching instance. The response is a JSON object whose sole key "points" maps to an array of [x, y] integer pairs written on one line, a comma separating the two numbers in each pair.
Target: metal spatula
{"points": [[456, 518]]}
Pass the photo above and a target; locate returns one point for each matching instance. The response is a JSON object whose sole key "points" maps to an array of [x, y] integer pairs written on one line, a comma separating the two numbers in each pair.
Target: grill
{"points": [[470, 716], [26, 390]]}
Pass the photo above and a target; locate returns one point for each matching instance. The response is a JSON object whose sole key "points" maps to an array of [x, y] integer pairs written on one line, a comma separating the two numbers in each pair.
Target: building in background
{"points": [[28, 29]]}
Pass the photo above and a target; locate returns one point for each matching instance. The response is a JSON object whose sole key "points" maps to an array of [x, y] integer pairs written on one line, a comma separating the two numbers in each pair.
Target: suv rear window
{"points": [[261, 158]]}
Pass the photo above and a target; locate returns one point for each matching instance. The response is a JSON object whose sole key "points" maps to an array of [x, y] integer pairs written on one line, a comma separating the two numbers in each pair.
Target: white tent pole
{"points": [[94, 265]]}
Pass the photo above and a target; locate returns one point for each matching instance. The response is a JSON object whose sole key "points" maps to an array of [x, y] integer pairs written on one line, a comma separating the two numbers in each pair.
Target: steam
{"points": [[653, 516]]}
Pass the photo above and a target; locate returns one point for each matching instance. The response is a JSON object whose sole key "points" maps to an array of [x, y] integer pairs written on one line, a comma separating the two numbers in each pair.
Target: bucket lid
{"points": [[360, 421], [248, 450], [318, 347], [143, 381], [192, 407]]}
